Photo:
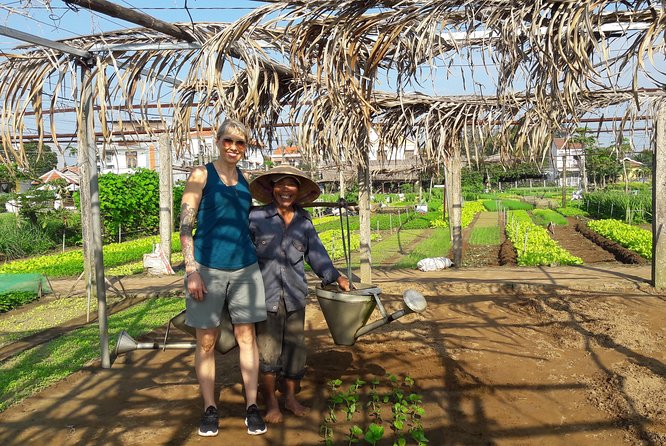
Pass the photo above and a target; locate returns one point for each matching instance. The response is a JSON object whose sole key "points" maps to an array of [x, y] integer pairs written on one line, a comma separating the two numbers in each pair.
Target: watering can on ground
{"points": [[226, 340]]}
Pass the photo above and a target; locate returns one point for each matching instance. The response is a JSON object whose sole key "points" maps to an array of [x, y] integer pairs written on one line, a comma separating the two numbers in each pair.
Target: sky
{"points": [[63, 21]]}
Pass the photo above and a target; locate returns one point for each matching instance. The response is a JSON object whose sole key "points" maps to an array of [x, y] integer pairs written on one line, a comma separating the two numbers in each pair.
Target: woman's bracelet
{"points": [[191, 272]]}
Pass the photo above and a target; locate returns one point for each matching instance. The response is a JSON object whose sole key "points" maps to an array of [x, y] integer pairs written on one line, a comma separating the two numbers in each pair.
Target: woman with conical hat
{"points": [[285, 239]]}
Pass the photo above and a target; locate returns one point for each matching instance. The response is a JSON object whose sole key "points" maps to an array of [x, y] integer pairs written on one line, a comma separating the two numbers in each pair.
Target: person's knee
{"points": [[245, 335], [206, 340]]}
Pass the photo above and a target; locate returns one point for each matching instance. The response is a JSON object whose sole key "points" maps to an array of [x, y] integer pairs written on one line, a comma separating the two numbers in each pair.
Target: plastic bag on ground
{"points": [[434, 263]]}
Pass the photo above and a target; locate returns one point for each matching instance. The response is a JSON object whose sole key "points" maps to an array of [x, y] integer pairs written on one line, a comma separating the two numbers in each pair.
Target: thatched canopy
{"points": [[319, 62]]}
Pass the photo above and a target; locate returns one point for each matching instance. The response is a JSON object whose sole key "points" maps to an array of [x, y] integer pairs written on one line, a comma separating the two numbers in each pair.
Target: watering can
{"points": [[226, 340], [347, 312]]}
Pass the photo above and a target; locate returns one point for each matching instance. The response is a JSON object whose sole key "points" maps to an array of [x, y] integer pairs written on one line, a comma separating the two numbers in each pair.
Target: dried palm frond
{"points": [[318, 63]]}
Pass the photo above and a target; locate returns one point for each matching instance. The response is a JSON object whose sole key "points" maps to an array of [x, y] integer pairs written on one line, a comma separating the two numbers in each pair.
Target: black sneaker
{"points": [[255, 424], [209, 422]]}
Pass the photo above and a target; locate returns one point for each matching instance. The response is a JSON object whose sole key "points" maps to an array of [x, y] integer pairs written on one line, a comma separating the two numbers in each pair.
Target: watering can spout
{"points": [[413, 302], [347, 313]]}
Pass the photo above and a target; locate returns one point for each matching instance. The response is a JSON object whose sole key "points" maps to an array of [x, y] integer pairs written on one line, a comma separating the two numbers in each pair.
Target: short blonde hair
{"points": [[232, 125]]}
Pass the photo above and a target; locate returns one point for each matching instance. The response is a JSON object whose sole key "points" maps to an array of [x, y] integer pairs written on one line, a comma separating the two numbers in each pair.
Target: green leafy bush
{"points": [[9, 301]]}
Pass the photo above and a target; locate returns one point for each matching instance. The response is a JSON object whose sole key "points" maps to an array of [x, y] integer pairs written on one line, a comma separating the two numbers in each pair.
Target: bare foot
{"points": [[296, 408], [273, 415]]}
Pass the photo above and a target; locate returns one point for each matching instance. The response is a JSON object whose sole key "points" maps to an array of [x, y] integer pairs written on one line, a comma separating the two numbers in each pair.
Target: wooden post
{"points": [[364, 218], [454, 167], [343, 191], [658, 203], [89, 166], [166, 195], [564, 176]]}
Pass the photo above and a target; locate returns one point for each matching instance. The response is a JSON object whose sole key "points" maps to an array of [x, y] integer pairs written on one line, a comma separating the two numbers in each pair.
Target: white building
{"points": [[565, 153]]}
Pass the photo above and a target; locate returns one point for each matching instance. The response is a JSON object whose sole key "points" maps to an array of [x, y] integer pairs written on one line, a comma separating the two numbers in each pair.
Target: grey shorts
{"points": [[242, 289]]}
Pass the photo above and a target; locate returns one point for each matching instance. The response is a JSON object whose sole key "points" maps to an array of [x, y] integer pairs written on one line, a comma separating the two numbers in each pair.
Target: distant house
{"points": [[389, 166], [635, 170], [565, 153], [70, 174], [290, 155]]}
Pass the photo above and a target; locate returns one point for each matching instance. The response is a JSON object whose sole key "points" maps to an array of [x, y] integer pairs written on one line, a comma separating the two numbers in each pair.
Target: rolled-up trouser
{"points": [[281, 342]]}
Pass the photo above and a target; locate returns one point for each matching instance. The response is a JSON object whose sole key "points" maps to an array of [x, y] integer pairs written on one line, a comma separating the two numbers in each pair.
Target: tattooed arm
{"points": [[188, 217]]}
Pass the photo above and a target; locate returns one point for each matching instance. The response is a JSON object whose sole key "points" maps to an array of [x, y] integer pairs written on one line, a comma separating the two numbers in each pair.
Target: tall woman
{"points": [[221, 266]]}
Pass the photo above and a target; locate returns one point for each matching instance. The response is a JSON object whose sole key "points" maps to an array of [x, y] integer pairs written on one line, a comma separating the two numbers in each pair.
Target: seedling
{"points": [[403, 405]]}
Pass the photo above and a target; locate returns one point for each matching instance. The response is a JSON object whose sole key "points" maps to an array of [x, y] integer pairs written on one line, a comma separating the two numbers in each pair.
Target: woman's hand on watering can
{"points": [[343, 283]]}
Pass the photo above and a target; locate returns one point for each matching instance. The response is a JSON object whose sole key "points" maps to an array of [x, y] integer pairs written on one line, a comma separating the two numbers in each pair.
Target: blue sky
{"points": [[64, 22]]}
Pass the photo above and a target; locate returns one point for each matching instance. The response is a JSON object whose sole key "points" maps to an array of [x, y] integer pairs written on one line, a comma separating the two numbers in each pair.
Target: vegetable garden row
{"points": [[524, 226]]}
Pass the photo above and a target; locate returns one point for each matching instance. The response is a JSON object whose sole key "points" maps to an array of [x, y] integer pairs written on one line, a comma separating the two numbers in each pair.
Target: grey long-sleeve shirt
{"points": [[282, 251]]}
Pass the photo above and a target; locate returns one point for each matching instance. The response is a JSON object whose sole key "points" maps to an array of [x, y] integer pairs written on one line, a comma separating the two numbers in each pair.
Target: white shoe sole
{"points": [[255, 432]]}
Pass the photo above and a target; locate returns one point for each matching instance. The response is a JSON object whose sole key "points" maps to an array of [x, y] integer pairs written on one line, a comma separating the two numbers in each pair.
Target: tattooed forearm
{"points": [[187, 221]]}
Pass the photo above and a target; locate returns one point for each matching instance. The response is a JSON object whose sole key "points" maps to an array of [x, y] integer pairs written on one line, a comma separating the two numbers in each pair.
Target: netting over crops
{"points": [[12, 283]]}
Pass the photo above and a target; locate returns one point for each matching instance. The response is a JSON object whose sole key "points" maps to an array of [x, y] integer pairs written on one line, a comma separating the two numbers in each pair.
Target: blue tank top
{"points": [[222, 238]]}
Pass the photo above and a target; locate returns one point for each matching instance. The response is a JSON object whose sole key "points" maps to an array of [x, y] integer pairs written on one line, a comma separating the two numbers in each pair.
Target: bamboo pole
{"points": [[454, 167], [364, 218], [166, 195], [129, 15], [659, 206], [89, 178]]}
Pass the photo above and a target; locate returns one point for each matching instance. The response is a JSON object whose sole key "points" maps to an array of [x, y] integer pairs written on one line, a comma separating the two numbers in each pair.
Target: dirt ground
{"points": [[501, 356]]}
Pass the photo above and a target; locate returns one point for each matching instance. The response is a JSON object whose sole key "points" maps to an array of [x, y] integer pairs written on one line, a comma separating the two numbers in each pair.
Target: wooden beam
{"points": [[129, 15], [89, 177], [30, 38], [166, 194], [659, 203], [364, 219]]}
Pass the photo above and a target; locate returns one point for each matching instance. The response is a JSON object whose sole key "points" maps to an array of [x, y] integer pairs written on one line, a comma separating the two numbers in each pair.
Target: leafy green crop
{"points": [[533, 243], [41, 366], [9, 301], [571, 211], [371, 408], [70, 263], [631, 237]]}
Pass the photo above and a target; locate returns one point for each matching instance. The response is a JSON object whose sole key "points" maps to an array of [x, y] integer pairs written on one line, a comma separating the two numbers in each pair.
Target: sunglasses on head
{"points": [[229, 141]]}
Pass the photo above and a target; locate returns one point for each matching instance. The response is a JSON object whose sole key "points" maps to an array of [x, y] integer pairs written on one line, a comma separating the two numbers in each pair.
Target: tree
{"points": [[602, 164], [39, 160], [647, 158]]}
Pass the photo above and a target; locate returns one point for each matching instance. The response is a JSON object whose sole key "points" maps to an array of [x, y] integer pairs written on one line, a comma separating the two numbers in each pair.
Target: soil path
{"points": [[501, 356], [578, 245], [480, 255]]}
